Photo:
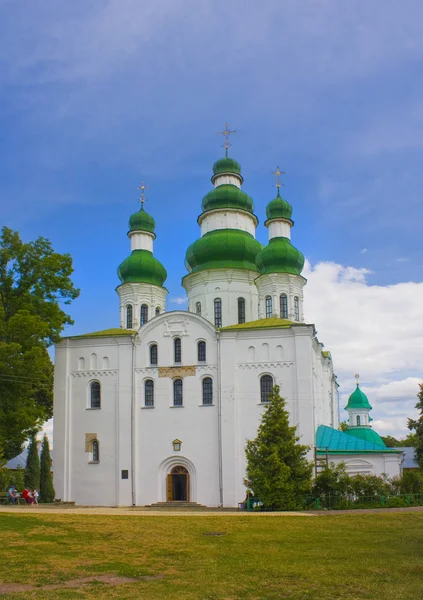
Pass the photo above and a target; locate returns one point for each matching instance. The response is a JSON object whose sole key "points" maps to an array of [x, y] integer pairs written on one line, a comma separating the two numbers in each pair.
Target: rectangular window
{"points": [[268, 307], [218, 312], [241, 310], [177, 346], [125, 474], [177, 393], [297, 308], [284, 306]]}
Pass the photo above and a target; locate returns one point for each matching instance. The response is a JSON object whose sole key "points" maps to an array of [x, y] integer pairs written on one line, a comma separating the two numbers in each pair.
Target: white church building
{"points": [[159, 410]]}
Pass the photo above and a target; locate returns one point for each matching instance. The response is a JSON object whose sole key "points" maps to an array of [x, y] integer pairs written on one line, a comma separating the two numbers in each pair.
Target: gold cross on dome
{"points": [[278, 174], [357, 376], [226, 133], [142, 188]]}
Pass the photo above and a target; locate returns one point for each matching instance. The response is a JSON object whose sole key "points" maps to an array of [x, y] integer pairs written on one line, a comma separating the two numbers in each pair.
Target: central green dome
{"points": [[358, 399], [223, 249], [227, 166], [279, 209], [280, 256], [142, 267], [227, 196], [141, 221]]}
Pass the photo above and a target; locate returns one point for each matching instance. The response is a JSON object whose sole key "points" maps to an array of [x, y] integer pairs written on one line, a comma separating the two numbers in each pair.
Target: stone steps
{"points": [[176, 505]]}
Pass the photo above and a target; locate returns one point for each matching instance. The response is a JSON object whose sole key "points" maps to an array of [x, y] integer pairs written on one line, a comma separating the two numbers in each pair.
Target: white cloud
{"points": [[401, 259], [363, 251], [179, 300], [376, 331]]}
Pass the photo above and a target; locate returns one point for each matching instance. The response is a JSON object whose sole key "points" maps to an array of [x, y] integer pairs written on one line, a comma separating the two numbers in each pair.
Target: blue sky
{"points": [[97, 96]]}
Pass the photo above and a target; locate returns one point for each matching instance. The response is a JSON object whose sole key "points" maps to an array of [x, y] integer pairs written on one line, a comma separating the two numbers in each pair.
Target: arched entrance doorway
{"points": [[178, 485]]}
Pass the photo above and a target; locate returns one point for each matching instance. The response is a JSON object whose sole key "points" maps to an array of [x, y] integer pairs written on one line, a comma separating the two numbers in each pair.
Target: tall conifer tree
{"points": [[416, 425], [32, 471], [47, 492], [277, 469]]}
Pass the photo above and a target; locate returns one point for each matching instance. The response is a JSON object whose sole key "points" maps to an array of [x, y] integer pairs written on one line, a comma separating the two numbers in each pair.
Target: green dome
{"points": [[280, 256], [278, 209], [227, 196], [223, 249], [365, 433], [141, 221], [226, 165], [358, 400], [142, 267]]}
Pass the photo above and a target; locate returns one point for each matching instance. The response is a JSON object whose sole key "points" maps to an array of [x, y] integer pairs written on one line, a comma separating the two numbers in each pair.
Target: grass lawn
{"points": [[377, 556]]}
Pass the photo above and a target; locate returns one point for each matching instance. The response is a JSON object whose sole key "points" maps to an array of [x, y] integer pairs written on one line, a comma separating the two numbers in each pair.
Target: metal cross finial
{"points": [[226, 133], [142, 188], [357, 376], [278, 174]]}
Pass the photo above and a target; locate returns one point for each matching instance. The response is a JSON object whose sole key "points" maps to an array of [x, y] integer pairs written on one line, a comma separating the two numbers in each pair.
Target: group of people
{"points": [[30, 496]]}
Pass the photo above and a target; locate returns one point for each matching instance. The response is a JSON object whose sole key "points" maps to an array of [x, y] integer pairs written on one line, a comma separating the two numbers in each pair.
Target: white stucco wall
{"points": [[137, 294], [275, 284], [228, 219]]}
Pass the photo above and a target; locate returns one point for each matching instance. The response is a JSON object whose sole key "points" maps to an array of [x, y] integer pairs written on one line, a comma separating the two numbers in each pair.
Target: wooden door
{"points": [[169, 488]]}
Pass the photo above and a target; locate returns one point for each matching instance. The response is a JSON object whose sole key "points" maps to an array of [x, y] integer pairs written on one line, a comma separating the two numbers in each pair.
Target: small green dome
{"points": [[358, 400], [142, 267], [280, 256], [365, 433], [227, 196], [226, 165], [278, 209], [223, 249], [141, 221]]}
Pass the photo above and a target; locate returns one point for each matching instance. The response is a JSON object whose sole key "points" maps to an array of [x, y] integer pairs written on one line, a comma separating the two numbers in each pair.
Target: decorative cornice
{"points": [[102, 373], [264, 365]]}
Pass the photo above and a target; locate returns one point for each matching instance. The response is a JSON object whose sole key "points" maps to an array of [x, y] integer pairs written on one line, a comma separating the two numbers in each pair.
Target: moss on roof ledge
{"points": [[272, 322], [104, 333]]}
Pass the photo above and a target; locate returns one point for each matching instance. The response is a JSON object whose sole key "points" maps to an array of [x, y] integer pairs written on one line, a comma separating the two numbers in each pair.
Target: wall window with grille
{"points": [[297, 308], [358, 420], [153, 354], [201, 351], [198, 308], [177, 350], [266, 387], [95, 395], [218, 312], [96, 451], [268, 301], [129, 316], [241, 310], [178, 392], [207, 390], [149, 393], [283, 299], [144, 314]]}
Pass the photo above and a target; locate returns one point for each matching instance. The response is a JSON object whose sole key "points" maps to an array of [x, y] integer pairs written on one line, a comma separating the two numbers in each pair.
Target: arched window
{"points": [[177, 350], [266, 386], [177, 392], [144, 314], [358, 420], [201, 351], [96, 451], [268, 307], [157, 311], [153, 354], [283, 299], [95, 395], [129, 316], [297, 308], [149, 393], [198, 308], [218, 312], [207, 390], [241, 310]]}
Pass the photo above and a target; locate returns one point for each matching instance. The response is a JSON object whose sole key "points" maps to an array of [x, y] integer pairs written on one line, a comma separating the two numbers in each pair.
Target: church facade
{"points": [[159, 410]]}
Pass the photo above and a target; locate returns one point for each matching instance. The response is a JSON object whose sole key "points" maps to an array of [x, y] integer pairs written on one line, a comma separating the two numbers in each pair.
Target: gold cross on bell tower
{"points": [[142, 188], [226, 133], [278, 174]]}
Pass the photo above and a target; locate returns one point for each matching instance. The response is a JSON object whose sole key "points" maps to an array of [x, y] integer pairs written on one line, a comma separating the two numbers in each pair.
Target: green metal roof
{"points": [[358, 400], [142, 221], [223, 249], [226, 165], [142, 267], [279, 209], [338, 441], [104, 333], [280, 256], [227, 196], [365, 433], [272, 322]]}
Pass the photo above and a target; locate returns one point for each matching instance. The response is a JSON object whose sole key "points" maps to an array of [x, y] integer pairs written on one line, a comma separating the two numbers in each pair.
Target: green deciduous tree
{"points": [[416, 425], [34, 284], [332, 482], [32, 470], [46, 483], [278, 471]]}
